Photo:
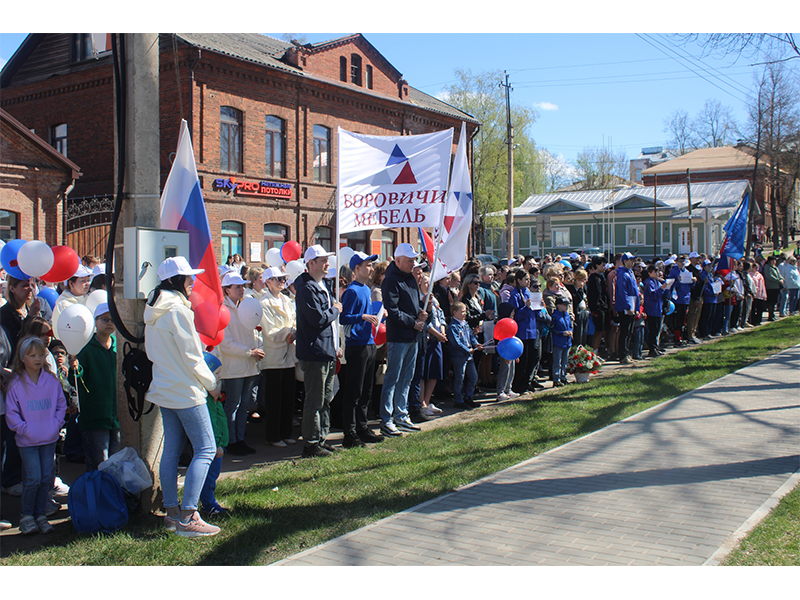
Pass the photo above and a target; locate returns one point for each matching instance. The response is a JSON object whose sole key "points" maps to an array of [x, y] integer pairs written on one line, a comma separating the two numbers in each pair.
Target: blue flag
{"points": [[735, 234]]}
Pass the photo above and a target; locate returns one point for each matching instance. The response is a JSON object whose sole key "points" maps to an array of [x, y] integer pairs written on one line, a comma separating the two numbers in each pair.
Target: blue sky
{"points": [[590, 88]]}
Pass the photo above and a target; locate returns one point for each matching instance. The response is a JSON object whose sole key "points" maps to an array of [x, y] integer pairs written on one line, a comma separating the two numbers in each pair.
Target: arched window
{"points": [[232, 239], [355, 69], [323, 236], [273, 144], [230, 139], [322, 144], [275, 235]]}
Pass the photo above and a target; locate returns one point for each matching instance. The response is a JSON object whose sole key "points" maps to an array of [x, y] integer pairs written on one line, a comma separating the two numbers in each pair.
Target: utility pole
{"points": [[655, 216], [689, 200], [510, 141]]}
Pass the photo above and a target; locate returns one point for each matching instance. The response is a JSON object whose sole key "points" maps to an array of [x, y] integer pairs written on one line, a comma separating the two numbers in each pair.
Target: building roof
{"points": [[714, 195], [706, 159], [8, 121], [268, 51]]}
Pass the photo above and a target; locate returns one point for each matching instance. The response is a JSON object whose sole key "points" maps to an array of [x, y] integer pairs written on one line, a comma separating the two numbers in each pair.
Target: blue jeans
{"points": [[193, 423], [638, 340], [791, 304], [238, 399], [401, 359], [465, 376], [207, 497], [38, 476], [560, 356], [414, 390], [318, 383], [98, 445]]}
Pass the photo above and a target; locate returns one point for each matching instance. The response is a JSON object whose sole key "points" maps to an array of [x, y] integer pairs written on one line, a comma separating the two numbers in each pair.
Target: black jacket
{"points": [[596, 293], [401, 299], [315, 313]]}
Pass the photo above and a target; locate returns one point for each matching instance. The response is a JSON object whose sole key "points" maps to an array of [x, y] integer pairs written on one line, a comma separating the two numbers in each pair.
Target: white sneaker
{"points": [[390, 429], [5, 525], [278, 444], [196, 527], [512, 395], [428, 412], [436, 410], [60, 488], [501, 398], [407, 425]]}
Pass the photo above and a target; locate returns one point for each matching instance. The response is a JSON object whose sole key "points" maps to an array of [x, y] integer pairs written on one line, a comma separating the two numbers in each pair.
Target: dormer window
{"points": [[355, 69]]}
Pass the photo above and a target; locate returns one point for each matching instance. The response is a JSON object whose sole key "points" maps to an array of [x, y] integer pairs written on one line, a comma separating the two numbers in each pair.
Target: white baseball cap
{"points": [[316, 251], [232, 279], [694, 255], [272, 272], [406, 250], [82, 272], [573, 255], [99, 269], [176, 265], [101, 309]]}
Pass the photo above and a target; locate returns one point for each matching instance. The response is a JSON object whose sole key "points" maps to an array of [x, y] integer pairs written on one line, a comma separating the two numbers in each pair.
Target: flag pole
{"points": [[437, 241]]}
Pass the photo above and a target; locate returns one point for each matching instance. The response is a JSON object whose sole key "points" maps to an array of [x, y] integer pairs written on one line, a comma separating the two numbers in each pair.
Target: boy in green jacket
{"points": [[97, 391], [219, 423]]}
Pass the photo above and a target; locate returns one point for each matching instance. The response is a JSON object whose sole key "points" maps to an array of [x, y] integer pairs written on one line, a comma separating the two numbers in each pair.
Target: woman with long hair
{"points": [[181, 383]]}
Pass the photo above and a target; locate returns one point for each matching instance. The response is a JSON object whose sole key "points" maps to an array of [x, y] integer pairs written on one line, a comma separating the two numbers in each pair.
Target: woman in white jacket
{"points": [[239, 352], [278, 328], [75, 292], [181, 382]]}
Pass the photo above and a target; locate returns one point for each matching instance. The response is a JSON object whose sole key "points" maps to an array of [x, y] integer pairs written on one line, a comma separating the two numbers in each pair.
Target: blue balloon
{"points": [[510, 348], [50, 295], [8, 255], [670, 307], [212, 361]]}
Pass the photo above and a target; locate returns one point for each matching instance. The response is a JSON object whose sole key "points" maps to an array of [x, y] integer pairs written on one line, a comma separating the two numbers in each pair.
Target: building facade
{"points": [[263, 115]]}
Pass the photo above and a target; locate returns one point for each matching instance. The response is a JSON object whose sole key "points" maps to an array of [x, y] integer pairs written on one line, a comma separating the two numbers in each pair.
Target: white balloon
{"points": [[332, 263], [295, 268], [35, 258], [250, 312], [95, 299], [75, 327], [345, 254], [273, 257]]}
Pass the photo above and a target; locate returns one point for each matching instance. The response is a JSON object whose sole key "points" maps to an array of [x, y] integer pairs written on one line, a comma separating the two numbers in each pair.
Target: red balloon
{"points": [[380, 334], [219, 338], [224, 316], [290, 251], [505, 328], [65, 264], [206, 317]]}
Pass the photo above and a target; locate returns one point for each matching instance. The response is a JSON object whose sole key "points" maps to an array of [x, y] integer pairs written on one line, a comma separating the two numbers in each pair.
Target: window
{"points": [[342, 72], [232, 239], [587, 235], [387, 244], [322, 142], [9, 225], [634, 235], [273, 143], [638, 175], [355, 69], [358, 241], [369, 77], [275, 235], [58, 138], [230, 139], [323, 237], [665, 235], [89, 45], [560, 237]]}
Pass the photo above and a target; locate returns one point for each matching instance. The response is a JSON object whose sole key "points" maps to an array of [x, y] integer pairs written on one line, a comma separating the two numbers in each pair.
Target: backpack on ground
{"points": [[97, 503], [138, 372]]}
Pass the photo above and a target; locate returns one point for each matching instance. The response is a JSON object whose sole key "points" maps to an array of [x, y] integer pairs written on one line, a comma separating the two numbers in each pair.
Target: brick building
{"points": [[34, 182], [263, 114]]}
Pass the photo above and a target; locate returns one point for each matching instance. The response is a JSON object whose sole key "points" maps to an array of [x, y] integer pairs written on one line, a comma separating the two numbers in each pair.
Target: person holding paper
{"points": [[680, 292], [626, 304], [525, 316]]}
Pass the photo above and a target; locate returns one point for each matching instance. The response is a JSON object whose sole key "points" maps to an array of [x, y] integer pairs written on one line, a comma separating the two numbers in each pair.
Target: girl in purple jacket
{"points": [[35, 410]]}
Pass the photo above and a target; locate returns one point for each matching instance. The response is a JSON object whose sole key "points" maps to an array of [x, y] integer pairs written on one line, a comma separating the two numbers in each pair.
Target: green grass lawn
{"points": [[283, 508]]}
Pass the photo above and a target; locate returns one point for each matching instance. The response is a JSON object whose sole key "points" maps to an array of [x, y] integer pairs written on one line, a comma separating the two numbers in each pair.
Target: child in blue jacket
{"points": [[462, 343], [562, 340]]}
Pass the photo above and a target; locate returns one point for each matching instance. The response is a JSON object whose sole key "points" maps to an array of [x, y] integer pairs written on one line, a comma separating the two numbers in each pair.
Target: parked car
{"points": [[590, 252], [488, 259]]}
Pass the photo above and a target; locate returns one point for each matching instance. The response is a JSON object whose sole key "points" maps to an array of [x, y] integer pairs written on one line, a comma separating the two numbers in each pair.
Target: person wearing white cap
{"points": [[317, 349], [97, 391], [98, 278], [405, 322], [240, 351], [181, 383], [277, 387], [75, 291]]}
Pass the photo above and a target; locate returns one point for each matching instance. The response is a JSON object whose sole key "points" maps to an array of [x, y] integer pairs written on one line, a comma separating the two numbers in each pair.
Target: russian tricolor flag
{"points": [[183, 209]]}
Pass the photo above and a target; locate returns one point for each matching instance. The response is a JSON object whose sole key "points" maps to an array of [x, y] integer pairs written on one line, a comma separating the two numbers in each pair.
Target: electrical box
{"points": [[144, 250]]}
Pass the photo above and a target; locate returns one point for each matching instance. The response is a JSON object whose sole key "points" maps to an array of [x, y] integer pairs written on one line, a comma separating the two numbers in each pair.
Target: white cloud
{"points": [[545, 105]]}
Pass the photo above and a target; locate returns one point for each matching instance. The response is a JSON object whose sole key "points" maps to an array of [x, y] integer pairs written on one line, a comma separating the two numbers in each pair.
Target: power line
{"points": [[607, 78]]}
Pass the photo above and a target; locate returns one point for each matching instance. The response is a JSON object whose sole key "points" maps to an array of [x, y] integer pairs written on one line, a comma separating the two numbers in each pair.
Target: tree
{"points": [[601, 168], [775, 46], [712, 127], [558, 172], [680, 130], [481, 96]]}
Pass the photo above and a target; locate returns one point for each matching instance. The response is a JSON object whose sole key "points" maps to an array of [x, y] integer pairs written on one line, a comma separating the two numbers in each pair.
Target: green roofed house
{"points": [[623, 219]]}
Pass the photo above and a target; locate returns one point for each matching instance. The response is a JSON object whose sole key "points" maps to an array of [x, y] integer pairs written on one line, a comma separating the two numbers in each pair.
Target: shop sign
{"points": [[269, 189]]}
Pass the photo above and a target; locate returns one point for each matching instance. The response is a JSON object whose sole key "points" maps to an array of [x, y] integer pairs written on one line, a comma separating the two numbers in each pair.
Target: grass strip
{"points": [[282, 508]]}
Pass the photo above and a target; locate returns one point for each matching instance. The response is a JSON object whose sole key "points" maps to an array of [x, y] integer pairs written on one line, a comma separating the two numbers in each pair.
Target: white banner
{"points": [[392, 181]]}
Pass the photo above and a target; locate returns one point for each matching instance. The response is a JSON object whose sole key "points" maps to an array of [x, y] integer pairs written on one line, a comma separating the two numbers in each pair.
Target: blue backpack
{"points": [[97, 503]]}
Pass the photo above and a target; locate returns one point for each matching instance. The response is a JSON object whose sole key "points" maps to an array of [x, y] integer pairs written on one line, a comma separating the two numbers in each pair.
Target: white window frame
{"points": [[554, 235], [629, 228]]}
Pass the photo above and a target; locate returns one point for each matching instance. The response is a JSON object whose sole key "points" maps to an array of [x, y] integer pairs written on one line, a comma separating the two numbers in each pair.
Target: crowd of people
{"points": [[372, 341]]}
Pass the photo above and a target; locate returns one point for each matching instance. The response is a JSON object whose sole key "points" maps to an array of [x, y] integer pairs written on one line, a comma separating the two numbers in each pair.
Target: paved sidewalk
{"points": [[674, 485]]}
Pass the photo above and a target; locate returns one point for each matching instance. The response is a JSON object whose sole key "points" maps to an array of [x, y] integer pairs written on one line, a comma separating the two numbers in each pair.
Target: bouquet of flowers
{"points": [[583, 360]]}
